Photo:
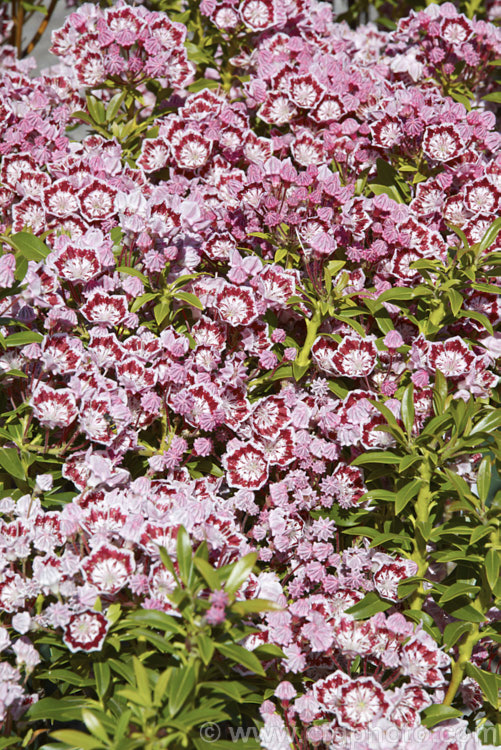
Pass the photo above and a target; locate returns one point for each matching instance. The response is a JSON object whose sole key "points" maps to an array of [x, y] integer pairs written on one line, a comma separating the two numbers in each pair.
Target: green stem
{"points": [[459, 666], [312, 326], [422, 508]]}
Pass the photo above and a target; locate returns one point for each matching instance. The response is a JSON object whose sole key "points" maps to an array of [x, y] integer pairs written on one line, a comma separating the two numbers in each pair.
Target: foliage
{"points": [[250, 407]]}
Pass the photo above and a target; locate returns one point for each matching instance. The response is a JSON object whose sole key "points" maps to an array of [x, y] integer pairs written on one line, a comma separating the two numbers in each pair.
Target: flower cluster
{"points": [[227, 314], [122, 44]]}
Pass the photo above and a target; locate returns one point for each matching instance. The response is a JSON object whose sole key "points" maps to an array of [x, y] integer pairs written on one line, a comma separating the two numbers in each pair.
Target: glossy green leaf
{"points": [[142, 681], [94, 726], [468, 613], [484, 478], [492, 565], [240, 655], [454, 631], [161, 311], [182, 683], [408, 408], [479, 317], [489, 682], [114, 105], [77, 740], [405, 495], [165, 558], [24, 338], [456, 590], [240, 572], [68, 708], [396, 294], [184, 555], [206, 647], [191, 299], [435, 714], [11, 463], [368, 606], [490, 422], [102, 674], [208, 573], [255, 605], [96, 109], [299, 370], [142, 300], [30, 247], [376, 457], [133, 272]]}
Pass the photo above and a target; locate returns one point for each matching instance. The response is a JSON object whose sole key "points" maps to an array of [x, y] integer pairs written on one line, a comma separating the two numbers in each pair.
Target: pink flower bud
{"points": [[393, 340]]}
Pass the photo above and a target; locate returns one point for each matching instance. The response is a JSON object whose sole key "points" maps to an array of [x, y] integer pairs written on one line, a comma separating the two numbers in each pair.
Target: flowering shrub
{"points": [[250, 401]]}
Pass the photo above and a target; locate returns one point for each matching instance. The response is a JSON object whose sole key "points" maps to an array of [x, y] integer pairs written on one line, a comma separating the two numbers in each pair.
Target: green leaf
{"points": [[203, 83], [114, 105], [77, 740], [10, 461], [479, 532], [488, 423], [453, 632], [94, 725], [440, 392], [161, 311], [490, 683], [206, 648], [191, 299], [23, 338], [370, 605], [240, 571], [269, 650], [184, 555], [435, 714], [494, 97], [142, 681], [165, 558], [58, 709], [142, 300], [469, 614], [456, 590], [182, 683], [396, 294], [299, 370], [133, 272], [408, 408], [492, 563], [407, 461], [197, 54], [240, 655], [116, 234], [208, 573], [96, 109], [486, 288], [10, 741], [389, 190], [484, 478], [385, 495], [455, 300], [31, 247], [479, 317], [21, 269], [161, 686], [102, 673], [376, 457], [255, 605], [66, 676], [406, 494], [152, 618]]}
